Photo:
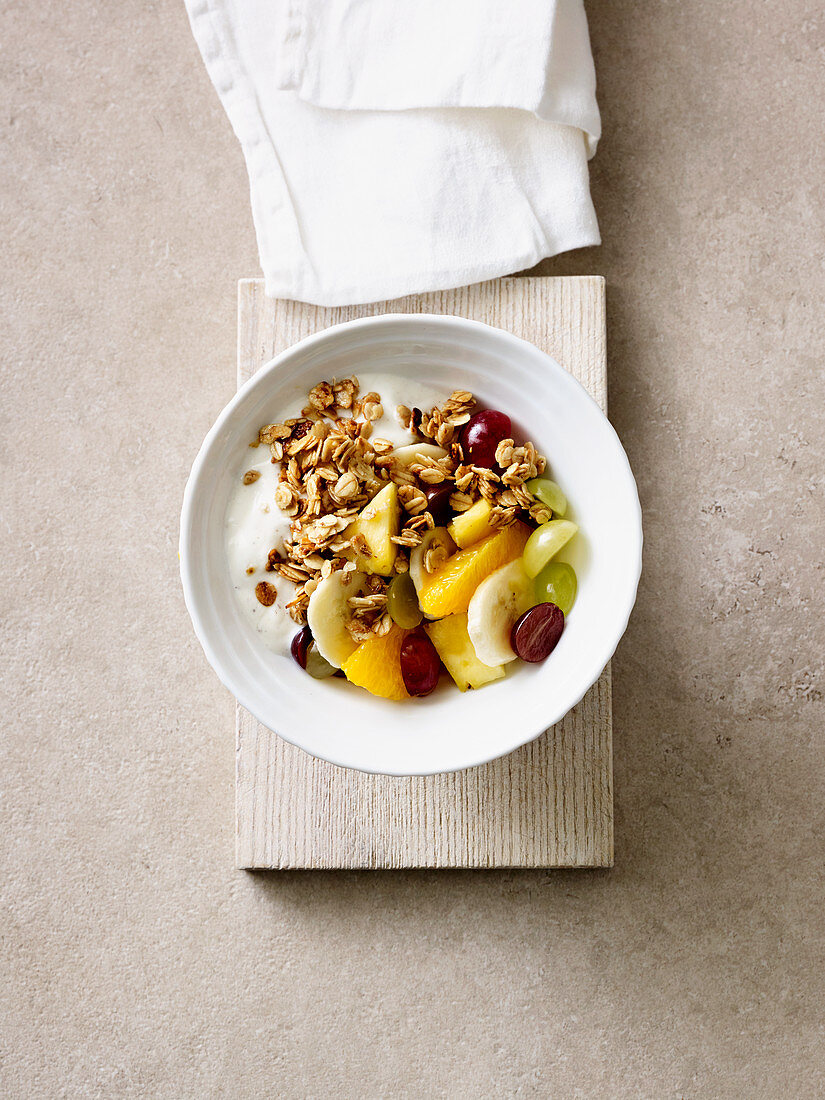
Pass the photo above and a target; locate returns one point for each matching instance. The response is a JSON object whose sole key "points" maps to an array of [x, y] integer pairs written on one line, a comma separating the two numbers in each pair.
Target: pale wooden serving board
{"points": [[549, 804]]}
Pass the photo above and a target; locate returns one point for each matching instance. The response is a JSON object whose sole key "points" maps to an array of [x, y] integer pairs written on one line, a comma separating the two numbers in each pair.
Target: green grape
{"points": [[402, 602], [317, 667], [557, 584], [548, 493], [545, 542]]}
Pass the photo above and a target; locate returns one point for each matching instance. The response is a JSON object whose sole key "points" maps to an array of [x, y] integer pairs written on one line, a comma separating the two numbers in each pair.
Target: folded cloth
{"points": [[406, 146]]}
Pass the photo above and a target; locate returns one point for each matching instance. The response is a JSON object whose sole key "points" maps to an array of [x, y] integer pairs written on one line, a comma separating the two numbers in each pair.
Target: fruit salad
{"points": [[406, 562]]}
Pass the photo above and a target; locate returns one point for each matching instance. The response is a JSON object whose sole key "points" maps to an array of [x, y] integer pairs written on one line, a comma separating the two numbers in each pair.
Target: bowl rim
{"points": [[193, 486]]}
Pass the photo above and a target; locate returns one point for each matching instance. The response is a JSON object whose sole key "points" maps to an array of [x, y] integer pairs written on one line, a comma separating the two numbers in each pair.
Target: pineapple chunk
{"points": [[377, 522], [473, 525], [451, 640]]}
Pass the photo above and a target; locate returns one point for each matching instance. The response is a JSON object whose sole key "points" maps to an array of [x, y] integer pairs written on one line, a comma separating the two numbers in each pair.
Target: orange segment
{"points": [[449, 590], [376, 665]]}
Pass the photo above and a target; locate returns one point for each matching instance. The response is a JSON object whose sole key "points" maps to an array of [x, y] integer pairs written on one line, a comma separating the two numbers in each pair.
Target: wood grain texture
{"points": [[550, 803]]}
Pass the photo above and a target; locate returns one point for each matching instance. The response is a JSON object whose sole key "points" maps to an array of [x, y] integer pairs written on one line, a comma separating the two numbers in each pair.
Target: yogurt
{"points": [[255, 524]]}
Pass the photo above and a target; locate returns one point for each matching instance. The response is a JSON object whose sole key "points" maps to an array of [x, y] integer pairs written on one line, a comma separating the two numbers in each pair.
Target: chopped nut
{"points": [[250, 569], [250, 476], [345, 392], [321, 396], [445, 434]]}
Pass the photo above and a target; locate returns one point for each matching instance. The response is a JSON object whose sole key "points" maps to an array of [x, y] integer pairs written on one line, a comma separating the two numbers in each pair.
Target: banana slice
{"points": [[496, 604], [416, 451], [439, 536], [327, 614]]}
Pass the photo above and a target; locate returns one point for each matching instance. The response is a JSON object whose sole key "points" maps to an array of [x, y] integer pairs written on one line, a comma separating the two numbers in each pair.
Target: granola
{"points": [[331, 468], [370, 518]]}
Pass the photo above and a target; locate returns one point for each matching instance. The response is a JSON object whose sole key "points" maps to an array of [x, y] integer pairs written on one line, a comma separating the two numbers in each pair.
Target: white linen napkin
{"points": [[402, 146]]}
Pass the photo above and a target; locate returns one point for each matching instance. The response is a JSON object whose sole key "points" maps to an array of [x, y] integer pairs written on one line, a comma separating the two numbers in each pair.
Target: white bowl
{"points": [[448, 730]]}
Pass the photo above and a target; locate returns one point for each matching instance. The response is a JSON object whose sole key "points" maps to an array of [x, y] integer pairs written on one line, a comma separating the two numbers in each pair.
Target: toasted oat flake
{"points": [[361, 546], [332, 466], [408, 538], [372, 602], [273, 559], [413, 500], [435, 557], [460, 502], [272, 432]]}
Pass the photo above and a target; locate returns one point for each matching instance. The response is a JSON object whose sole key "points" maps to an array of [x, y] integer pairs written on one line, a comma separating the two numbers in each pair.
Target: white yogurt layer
{"points": [[255, 524]]}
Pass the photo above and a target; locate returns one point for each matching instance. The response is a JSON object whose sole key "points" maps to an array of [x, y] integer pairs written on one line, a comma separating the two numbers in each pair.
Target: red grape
{"points": [[300, 645], [420, 664], [482, 434], [438, 503], [536, 633]]}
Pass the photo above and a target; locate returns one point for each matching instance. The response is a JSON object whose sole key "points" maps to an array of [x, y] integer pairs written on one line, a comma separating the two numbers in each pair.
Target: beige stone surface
{"points": [[136, 960]]}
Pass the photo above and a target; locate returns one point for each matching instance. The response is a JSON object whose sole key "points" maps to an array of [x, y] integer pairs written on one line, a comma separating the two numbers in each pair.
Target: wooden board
{"points": [[550, 803]]}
